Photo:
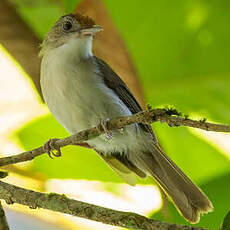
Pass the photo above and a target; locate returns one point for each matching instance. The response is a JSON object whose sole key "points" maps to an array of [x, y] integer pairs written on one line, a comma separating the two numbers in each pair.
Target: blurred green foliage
{"points": [[76, 162], [218, 191], [181, 50], [226, 223]]}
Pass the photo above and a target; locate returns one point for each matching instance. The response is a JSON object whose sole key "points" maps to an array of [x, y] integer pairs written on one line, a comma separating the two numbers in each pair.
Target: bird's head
{"points": [[69, 30]]}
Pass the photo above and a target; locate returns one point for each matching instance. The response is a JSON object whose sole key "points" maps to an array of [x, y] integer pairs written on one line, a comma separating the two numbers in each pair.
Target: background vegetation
{"points": [[181, 52]]}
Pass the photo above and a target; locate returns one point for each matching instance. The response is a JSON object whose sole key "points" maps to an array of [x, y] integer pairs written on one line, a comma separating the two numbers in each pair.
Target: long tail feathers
{"points": [[188, 198]]}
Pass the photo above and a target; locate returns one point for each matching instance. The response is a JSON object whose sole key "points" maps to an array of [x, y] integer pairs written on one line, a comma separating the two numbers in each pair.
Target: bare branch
{"points": [[60, 203], [3, 222], [169, 116]]}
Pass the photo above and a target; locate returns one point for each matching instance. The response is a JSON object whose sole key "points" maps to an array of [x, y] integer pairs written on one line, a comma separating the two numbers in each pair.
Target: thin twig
{"points": [[169, 116], [60, 203], [3, 223]]}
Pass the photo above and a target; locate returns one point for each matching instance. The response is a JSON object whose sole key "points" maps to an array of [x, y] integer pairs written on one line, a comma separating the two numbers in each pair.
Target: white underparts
{"points": [[78, 98]]}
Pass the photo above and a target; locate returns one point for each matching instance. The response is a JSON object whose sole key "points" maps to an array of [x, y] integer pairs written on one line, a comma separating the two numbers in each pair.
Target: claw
{"points": [[104, 125], [49, 146]]}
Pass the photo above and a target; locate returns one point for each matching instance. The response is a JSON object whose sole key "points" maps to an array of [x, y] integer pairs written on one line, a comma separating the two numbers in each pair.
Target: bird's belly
{"points": [[82, 106]]}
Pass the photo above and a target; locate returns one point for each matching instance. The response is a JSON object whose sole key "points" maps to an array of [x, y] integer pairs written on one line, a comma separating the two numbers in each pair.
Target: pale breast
{"points": [[77, 96]]}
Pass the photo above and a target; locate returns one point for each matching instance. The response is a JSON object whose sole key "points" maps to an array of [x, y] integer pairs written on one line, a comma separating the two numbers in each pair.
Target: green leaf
{"points": [[76, 162], [181, 50], [197, 158], [40, 15], [80, 163]]}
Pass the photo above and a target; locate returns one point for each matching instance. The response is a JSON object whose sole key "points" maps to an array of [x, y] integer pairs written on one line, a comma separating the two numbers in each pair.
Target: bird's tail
{"points": [[188, 198]]}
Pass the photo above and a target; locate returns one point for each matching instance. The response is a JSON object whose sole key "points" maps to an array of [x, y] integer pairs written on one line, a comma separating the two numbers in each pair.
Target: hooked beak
{"points": [[91, 31]]}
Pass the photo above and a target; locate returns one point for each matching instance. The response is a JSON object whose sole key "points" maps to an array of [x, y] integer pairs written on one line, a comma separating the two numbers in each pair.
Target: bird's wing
{"points": [[124, 168], [127, 175], [114, 82]]}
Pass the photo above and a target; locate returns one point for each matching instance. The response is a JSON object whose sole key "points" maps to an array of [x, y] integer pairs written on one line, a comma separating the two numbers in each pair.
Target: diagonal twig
{"points": [[169, 116]]}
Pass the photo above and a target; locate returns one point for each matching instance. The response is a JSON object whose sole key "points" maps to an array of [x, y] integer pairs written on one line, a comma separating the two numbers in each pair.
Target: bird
{"points": [[82, 91]]}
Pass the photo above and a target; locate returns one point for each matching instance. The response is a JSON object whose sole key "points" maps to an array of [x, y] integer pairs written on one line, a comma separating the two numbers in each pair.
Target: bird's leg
{"points": [[49, 146], [104, 125], [84, 144]]}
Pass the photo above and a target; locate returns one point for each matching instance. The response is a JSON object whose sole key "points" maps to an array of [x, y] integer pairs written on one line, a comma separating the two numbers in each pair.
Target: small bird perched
{"points": [[82, 91]]}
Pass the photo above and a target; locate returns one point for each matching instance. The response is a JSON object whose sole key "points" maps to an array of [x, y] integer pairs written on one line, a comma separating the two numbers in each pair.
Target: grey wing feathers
{"points": [[126, 174], [123, 167], [114, 82]]}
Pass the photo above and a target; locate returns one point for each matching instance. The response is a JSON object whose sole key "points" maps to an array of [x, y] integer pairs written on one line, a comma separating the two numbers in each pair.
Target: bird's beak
{"points": [[91, 31]]}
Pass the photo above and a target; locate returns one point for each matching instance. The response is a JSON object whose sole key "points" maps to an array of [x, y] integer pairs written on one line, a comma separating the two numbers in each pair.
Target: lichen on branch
{"points": [[60, 203]]}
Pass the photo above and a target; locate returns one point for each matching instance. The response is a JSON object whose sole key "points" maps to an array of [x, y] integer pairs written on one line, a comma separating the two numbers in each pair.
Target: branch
{"points": [[169, 116], [60, 203], [3, 222]]}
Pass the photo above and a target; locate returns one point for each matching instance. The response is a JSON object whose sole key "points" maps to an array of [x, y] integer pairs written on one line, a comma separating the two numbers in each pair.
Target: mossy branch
{"points": [[60, 203]]}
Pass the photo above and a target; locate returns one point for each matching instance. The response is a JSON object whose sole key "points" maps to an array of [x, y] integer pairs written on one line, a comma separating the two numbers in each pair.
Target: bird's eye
{"points": [[67, 25]]}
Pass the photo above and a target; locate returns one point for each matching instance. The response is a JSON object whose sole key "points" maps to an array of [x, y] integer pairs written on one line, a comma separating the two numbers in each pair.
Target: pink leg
{"points": [[85, 145]]}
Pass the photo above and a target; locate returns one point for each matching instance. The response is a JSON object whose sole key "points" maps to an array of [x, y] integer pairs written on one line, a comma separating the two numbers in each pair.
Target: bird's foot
{"points": [[104, 125], [49, 147]]}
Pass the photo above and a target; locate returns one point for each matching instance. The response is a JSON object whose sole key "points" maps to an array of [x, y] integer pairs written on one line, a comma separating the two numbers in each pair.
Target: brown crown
{"points": [[84, 21]]}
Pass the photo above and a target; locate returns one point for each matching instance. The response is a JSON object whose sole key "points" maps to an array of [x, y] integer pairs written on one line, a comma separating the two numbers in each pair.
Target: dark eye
{"points": [[67, 25]]}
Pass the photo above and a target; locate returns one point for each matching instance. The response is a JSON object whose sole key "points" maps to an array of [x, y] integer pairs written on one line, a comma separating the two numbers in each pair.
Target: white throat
{"points": [[77, 49]]}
